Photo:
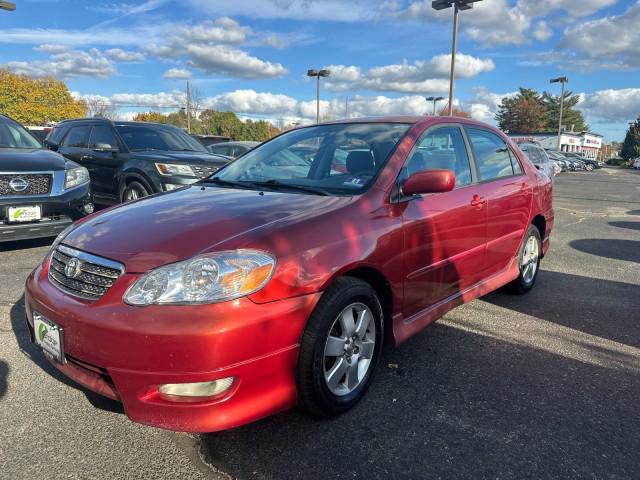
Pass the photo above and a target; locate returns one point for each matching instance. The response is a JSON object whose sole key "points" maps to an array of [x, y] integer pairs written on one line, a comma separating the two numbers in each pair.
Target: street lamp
{"points": [[458, 5], [561, 80], [434, 100], [7, 6], [318, 74]]}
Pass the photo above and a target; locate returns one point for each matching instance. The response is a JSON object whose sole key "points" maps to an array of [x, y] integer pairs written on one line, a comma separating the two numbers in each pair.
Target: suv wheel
{"points": [[340, 348], [589, 167], [133, 191], [529, 261]]}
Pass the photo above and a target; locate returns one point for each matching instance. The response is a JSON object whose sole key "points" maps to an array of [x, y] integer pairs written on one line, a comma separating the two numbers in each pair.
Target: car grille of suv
{"points": [[203, 171], [82, 274], [36, 184]]}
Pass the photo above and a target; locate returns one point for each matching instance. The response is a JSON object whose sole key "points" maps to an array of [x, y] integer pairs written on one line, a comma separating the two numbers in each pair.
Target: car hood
{"points": [[181, 157], [30, 160], [175, 226]]}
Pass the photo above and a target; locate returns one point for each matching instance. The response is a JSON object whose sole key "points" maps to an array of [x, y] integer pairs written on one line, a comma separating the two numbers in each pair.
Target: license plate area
{"points": [[27, 213], [49, 337]]}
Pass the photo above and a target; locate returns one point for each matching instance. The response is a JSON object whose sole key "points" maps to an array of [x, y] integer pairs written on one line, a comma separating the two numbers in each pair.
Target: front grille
{"points": [[36, 184], [203, 171], [89, 278]]}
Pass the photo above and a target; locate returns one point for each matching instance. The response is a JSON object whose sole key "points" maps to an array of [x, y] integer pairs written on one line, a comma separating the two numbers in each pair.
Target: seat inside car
{"points": [[360, 162]]}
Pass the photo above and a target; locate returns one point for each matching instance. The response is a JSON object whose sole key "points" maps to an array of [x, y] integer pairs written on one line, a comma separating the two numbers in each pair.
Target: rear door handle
{"points": [[477, 201]]}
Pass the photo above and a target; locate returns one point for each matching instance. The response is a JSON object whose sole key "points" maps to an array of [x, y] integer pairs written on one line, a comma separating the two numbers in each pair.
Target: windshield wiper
{"points": [[275, 184], [227, 183]]}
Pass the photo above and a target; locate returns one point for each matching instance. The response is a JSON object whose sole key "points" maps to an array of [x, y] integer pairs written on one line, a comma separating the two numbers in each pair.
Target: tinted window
{"points": [[491, 154], [142, 137], [515, 163], [442, 148], [77, 137], [103, 134], [221, 150], [13, 135]]}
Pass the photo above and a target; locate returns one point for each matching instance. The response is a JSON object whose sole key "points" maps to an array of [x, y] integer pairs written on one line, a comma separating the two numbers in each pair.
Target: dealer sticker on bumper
{"points": [[24, 214], [48, 336]]}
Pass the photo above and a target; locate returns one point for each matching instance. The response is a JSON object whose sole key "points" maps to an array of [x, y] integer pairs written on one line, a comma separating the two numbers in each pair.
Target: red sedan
{"points": [[277, 281]]}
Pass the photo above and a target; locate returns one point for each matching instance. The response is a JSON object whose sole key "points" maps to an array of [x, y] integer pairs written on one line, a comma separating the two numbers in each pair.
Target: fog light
{"points": [[171, 186], [88, 208], [195, 391]]}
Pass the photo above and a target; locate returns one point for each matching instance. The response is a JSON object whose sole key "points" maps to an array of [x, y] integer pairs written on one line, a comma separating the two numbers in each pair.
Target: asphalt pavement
{"points": [[540, 386]]}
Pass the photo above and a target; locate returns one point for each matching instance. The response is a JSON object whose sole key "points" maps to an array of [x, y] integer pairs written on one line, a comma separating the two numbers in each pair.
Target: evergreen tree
{"points": [[631, 144], [523, 113], [571, 118]]}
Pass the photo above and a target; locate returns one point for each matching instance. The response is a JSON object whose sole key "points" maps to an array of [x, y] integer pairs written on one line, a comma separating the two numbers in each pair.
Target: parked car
{"points": [[207, 140], [41, 193], [591, 164], [38, 131], [232, 149], [635, 163], [538, 157], [130, 160], [584, 162], [557, 168], [260, 288]]}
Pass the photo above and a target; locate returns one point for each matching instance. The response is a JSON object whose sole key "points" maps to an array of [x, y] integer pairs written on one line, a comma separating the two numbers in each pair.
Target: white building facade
{"points": [[586, 144]]}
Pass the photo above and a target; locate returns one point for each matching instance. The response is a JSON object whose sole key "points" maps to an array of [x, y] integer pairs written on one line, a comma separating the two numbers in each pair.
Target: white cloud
{"points": [[225, 60], [252, 102], [611, 105], [542, 31], [178, 74], [119, 55], [421, 76], [483, 104], [66, 64], [610, 38]]}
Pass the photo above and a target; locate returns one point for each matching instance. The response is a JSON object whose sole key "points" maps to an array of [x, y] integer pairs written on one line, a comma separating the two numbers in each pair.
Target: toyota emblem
{"points": [[72, 269], [18, 184]]}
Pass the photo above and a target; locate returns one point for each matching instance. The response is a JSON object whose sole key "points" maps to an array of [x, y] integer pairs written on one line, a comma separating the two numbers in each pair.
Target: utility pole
{"points": [[10, 6], [188, 107], [346, 107], [561, 80], [318, 74]]}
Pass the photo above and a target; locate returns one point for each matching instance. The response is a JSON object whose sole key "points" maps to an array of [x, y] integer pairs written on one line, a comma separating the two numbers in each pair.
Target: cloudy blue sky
{"points": [[250, 56]]}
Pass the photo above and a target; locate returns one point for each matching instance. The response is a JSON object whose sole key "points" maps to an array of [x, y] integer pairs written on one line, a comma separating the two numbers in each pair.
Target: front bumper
{"points": [[58, 211], [126, 352]]}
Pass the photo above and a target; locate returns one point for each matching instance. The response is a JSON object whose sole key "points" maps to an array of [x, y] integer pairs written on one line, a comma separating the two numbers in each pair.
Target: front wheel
{"points": [[589, 167], [133, 191], [340, 348], [529, 261]]}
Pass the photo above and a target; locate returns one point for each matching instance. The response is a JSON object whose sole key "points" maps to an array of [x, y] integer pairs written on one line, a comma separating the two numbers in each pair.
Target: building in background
{"points": [[587, 144]]}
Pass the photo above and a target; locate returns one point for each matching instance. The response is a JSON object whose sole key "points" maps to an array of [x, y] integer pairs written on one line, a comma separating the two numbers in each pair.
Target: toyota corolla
{"points": [[277, 281]]}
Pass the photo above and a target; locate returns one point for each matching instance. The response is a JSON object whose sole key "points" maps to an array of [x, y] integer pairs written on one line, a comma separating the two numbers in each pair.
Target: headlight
{"points": [[75, 176], [211, 278], [174, 169]]}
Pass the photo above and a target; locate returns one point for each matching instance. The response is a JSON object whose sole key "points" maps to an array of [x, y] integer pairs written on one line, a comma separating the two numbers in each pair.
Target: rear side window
{"points": [[221, 150], [491, 154], [77, 137], [102, 134], [442, 148]]}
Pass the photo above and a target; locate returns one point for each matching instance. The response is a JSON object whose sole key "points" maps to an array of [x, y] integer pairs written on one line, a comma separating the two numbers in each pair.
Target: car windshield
{"points": [[14, 135], [338, 159], [139, 138]]}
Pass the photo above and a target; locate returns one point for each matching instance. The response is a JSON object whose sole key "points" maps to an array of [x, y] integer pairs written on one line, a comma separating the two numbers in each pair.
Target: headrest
{"points": [[360, 161]]}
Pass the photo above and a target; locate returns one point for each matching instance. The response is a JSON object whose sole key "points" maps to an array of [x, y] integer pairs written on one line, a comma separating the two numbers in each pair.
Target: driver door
{"points": [[104, 166]]}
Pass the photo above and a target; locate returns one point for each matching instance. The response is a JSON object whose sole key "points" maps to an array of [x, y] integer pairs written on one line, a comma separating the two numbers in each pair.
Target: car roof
{"points": [[247, 143], [412, 120]]}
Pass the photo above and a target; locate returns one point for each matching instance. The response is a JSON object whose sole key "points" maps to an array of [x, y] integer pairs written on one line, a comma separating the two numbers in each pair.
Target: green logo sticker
{"points": [[17, 213], [42, 331]]}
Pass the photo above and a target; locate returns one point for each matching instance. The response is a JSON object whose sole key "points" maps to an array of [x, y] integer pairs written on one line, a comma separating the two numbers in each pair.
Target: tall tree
{"points": [[631, 145], [37, 101], [455, 113], [523, 113], [572, 119]]}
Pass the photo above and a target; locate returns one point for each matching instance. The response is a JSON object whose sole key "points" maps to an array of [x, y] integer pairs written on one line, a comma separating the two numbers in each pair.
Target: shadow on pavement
{"points": [[4, 376], [628, 250], [21, 331], [26, 244], [633, 212], [460, 405], [629, 225]]}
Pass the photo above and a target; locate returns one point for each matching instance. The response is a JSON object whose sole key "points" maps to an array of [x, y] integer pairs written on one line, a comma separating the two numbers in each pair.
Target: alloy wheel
{"points": [[529, 262], [349, 349]]}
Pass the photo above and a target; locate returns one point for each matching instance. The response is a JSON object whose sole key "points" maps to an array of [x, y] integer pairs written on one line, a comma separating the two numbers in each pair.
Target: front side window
{"points": [[13, 135], [339, 159], [103, 135], [141, 138], [77, 137], [442, 148], [491, 154]]}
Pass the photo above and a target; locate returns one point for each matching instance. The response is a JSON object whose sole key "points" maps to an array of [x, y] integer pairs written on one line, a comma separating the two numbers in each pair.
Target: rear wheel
{"points": [[133, 191], [529, 261], [340, 348]]}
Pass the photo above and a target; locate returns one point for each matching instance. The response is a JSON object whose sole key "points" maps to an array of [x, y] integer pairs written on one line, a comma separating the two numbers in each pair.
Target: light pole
{"points": [[318, 74], [561, 80], [7, 6], [434, 100], [457, 6]]}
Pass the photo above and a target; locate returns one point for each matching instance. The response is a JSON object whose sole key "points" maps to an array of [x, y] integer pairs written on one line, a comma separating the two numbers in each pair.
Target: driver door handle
{"points": [[477, 201]]}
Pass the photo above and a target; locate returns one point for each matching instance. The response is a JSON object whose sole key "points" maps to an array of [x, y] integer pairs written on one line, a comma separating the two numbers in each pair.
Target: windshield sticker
{"points": [[356, 182]]}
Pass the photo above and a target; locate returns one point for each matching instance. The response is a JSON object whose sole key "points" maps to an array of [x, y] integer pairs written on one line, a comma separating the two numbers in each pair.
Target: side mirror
{"points": [[430, 181], [51, 145], [105, 147]]}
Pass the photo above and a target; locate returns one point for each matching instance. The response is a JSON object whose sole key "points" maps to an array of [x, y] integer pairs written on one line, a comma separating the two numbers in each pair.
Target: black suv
{"points": [[41, 192], [130, 160]]}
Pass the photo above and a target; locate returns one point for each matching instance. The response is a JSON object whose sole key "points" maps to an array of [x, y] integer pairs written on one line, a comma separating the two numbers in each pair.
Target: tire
{"points": [[133, 191], [329, 384], [589, 167], [531, 248]]}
